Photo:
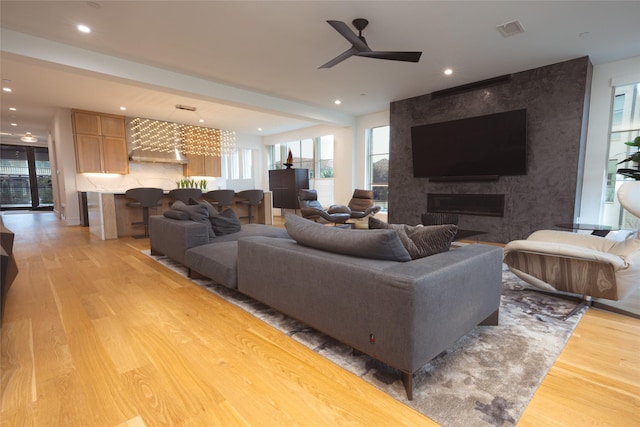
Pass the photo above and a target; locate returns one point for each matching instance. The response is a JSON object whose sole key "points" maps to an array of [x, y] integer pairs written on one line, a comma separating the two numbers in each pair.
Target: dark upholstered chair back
{"points": [[362, 199], [184, 194], [251, 197], [220, 198], [146, 197], [309, 199]]}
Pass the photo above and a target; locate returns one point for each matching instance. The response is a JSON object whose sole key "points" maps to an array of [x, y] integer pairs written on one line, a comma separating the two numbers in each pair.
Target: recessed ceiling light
{"points": [[13, 109], [14, 124], [123, 108], [6, 89], [259, 129], [84, 29], [448, 71], [337, 102], [201, 120]]}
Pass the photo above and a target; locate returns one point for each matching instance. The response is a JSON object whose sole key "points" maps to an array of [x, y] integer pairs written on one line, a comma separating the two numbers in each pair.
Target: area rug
{"points": [[486, 378]]}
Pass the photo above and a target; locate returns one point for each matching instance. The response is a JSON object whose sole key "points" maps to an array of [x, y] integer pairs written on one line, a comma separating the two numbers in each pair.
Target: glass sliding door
{"points": [[25, 178]]}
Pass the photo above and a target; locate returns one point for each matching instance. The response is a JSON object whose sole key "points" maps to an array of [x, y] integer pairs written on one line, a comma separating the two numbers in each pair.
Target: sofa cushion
{"points": [[198, 213], [420, 241], [222, 223], [217, 261], [225, 222], [375, 244], [176, 214]]}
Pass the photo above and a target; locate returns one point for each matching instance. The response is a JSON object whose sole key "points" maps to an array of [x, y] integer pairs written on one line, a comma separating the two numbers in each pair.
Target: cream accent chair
{"points": [[581, 264]]}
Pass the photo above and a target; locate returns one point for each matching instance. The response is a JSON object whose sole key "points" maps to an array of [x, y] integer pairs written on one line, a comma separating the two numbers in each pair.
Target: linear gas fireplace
{"points": [[466, 204]]}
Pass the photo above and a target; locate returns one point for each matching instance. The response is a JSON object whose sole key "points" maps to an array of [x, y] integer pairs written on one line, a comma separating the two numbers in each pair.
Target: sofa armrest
{"points": [[564, 250], [172, 237]]}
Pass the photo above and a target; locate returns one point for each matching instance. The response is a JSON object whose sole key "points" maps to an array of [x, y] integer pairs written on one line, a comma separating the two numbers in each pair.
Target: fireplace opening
{"points": [[466, 204]]}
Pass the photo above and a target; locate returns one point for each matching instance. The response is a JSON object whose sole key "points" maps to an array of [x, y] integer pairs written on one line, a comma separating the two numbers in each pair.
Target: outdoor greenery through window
{"points": [[378, 165]]}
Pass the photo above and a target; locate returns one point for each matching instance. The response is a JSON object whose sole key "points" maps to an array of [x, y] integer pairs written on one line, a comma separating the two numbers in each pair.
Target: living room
{"points": [[584, 193]]}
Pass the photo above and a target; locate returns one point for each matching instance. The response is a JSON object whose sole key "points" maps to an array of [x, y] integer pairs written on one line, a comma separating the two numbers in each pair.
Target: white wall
{"points": [[605, 77], [62, 136]]}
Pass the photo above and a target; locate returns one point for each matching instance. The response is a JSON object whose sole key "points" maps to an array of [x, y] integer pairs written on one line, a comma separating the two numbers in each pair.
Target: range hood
{"points": [[141, 155]]}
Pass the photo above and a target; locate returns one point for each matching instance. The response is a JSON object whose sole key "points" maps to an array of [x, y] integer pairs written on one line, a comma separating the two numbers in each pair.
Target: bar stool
{"points": [[220, 198], [184, 194], [250, 198], [147, 197]]}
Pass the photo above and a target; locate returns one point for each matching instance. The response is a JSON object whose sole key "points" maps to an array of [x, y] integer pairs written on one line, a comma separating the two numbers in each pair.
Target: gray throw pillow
{"points": [[420, 241], [176, 214], [198, 213], [375, 244], [225, 222]]}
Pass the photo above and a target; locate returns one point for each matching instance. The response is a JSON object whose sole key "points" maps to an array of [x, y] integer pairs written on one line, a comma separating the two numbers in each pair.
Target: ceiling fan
{"points": [[359, 45]]}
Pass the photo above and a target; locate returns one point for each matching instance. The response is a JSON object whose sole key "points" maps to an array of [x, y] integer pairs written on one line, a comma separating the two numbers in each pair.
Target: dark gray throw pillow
{"points": [[198, 213], [375, 244], [176, 214], [225, 222], [420, 241]]}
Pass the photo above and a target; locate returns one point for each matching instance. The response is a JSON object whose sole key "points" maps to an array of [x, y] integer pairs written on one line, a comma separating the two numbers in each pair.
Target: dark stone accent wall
{"points": [[556, 98]]}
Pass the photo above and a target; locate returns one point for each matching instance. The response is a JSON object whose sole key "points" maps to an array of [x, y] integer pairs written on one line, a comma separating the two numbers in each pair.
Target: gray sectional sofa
{"points": [[358, 286]]}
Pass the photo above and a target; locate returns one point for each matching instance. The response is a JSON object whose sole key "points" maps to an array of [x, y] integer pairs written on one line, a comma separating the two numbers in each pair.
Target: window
{"points": [[315, 154], [625, 126], [302, 152], [378, 165], [238, 165], [324, 162]]}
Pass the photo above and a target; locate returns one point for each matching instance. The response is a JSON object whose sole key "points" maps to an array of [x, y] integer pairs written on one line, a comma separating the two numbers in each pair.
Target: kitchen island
{"points": [[109, 216]]}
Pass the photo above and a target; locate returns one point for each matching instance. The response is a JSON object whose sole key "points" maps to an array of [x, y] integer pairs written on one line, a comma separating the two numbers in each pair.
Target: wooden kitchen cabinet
{"points": [[101, 143], [201, 165]]}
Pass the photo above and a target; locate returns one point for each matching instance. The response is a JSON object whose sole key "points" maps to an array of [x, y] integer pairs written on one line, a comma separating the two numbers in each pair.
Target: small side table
{"points": [[596, 229]]}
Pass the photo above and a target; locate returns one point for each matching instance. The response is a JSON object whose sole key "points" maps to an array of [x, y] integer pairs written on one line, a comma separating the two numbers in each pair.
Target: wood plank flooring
{"points": [[97, 334]]}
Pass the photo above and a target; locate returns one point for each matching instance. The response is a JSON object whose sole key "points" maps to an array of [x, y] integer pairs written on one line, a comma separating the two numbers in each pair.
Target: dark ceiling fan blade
{"points": [[348, 34], [338, 59], [393, 56]]}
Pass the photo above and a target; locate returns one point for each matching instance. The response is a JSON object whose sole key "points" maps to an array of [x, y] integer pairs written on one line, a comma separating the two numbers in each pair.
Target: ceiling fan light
{"points": [[28, 138]]}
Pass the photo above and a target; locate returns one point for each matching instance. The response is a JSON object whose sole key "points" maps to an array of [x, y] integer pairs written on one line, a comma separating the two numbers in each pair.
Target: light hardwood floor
{"points": [[97, 334]]}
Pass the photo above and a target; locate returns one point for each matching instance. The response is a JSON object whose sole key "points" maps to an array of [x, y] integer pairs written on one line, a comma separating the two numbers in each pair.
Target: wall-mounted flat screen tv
{"points": [[475, 148]]}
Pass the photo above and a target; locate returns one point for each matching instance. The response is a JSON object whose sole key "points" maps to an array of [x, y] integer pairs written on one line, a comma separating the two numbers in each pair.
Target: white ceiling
{"points": [[250, 64]]}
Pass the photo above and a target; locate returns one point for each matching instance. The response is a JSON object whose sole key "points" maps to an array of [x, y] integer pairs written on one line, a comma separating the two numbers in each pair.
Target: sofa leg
{"points": [[492, 320], [192, 274], [407, 379]]}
